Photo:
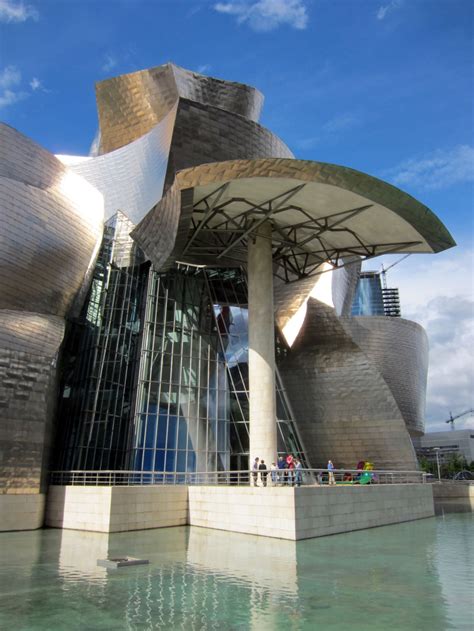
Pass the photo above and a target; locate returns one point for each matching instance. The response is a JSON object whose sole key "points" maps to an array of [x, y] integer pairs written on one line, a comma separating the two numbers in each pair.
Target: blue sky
{"points": [[383, 86]]}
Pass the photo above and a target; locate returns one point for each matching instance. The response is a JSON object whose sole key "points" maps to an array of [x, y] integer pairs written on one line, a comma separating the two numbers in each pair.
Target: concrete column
{"points": [[263, 430]]}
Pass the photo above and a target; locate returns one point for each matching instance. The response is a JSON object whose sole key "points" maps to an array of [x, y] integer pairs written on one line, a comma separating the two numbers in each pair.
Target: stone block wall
{"points": [[279, 512], [22, 511], [329, 511], [116, 509]]}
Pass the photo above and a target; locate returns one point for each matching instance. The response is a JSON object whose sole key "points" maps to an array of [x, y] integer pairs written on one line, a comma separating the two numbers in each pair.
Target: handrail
{"points": [[276, 477]]}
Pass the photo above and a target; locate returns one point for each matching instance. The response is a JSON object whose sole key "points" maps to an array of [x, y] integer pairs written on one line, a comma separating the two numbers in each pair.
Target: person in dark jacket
{"points": [[255, 471], [281, 469], [263, 472]]}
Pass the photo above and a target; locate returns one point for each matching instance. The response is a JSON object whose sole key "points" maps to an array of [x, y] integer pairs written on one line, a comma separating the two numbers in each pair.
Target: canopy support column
{"points": [[262, 426]]}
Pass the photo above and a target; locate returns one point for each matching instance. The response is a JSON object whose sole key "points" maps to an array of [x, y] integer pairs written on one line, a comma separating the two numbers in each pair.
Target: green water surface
{"points": [[417, 575]]}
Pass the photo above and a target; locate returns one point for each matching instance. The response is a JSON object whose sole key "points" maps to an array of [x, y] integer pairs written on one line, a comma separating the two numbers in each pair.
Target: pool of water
{"points": [[417, 575]]}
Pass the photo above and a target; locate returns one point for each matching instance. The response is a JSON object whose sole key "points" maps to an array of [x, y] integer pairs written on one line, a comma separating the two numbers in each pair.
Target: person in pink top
{"points": [[290, 465]]}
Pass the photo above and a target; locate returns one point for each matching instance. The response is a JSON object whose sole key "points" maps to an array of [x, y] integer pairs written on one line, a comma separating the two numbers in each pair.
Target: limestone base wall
{"points": [[116, 508], [23, 511], [454, 495], [343, 509], [285, 513]]}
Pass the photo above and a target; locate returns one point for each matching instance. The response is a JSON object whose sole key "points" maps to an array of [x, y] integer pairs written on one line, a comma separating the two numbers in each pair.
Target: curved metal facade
{"points": [[50, 230], [399, 350], [52, 222], [344, 407], [129, 106], [131, 178]]}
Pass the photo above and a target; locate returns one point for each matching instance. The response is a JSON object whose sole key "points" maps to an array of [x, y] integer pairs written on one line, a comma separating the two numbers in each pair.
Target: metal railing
{"points": [[279, 477]]}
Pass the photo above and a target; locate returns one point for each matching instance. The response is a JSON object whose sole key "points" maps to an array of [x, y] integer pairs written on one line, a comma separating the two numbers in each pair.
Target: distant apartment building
{"points": [[456, 442], [372, 298]]}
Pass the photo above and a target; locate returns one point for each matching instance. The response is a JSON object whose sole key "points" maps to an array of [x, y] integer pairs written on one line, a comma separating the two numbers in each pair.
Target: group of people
{"points": [[287, 470]]}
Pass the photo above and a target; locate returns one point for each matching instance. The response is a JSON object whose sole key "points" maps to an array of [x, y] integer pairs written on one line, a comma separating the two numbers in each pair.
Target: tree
{"points": [[453, 464]]}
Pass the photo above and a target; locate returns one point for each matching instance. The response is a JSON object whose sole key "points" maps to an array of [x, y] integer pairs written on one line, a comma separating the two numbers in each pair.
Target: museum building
{"points": [[182, 299]]}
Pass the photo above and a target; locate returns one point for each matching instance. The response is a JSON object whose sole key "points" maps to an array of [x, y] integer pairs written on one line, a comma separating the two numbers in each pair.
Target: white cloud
{"points": [[11, 11], [10, 76], [331, 130], [436, 170], [11, 91], [35, 84], [340, 123], [386, 9], [110, 63], [9, 97], [438, 292], [309, 142], [266, 15], [204, 68], [10, 79]]}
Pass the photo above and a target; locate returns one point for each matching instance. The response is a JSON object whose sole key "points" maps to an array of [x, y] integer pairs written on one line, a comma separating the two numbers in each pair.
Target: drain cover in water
{"points": [[121, 562]]}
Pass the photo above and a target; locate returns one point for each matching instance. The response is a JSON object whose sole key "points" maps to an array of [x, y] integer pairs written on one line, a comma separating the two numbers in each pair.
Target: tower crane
{"points": [[384, 270], [452, 418]]}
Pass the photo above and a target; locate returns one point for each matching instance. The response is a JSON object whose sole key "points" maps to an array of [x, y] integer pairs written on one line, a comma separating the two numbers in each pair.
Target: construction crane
{"points": [[384, 270], [452, 418]]}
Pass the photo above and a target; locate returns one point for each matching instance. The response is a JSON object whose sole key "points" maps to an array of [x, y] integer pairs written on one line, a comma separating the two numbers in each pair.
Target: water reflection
{"points": [[410, 576]]}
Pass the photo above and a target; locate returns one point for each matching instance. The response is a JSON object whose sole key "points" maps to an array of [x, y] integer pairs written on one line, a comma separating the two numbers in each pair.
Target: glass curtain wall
{"points": [[181, 418], [155, 371], [100, 361], [193, 403], [228, 289], [368, 299]]}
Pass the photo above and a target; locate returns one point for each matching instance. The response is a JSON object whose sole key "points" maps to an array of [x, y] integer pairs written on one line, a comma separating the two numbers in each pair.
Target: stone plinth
{"points": [[22, 511], [281, 512]]}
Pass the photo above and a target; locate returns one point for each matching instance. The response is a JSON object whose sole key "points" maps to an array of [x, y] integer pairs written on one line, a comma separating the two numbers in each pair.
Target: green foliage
{"points": [[448, 468], [427, 466], [453, 464]]}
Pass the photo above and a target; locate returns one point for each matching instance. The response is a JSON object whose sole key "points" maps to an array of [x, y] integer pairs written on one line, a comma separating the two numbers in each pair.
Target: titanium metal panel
{"points": [[131, 179], [399, 350], [130, 105], [29, 346], [369, 217], [200, 136], [205, 134], [344, 408], [344, 283], [50, 228]]}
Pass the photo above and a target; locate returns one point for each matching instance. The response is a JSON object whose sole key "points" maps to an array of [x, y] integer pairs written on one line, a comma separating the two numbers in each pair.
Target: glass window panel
{"points": [[235, 445], [138, 460], [282, 411], [160, 460], [182, 434], [165, 374], [172, 432], [148, 460], [155, 372], [243, 435], [181, 461], [176, 370], [150, 431], [170, 460], [191, 461], [222, 443], [140, 432], [161, 437], [235, 410]]}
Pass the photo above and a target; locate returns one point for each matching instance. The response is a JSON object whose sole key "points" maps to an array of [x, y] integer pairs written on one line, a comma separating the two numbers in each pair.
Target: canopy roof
{"points": [[320, 212]]}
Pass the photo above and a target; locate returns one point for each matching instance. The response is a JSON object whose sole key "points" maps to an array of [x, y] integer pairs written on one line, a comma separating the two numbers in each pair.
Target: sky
{"points": [[382, 86]]}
